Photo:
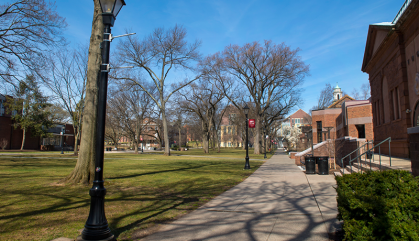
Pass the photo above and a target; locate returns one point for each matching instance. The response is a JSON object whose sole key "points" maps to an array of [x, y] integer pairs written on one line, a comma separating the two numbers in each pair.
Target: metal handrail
{"points": [[341, 160], [372, 148]]}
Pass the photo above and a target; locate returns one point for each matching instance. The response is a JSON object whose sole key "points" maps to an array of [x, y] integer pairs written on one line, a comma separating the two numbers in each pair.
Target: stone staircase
{"points": [[364, 165]]}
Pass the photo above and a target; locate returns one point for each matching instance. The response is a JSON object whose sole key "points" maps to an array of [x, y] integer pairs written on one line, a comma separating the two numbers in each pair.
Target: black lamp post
{"points": [[264, 137], [96, 227], [246, 112]]}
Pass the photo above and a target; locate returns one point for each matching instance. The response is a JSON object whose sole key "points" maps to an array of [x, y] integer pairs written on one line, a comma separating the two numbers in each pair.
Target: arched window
{"points": [[386, 107], [416, 115]]}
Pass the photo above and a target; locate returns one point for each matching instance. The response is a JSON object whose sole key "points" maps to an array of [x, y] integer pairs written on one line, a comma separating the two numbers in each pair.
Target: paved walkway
{"points": [[277, 202]]}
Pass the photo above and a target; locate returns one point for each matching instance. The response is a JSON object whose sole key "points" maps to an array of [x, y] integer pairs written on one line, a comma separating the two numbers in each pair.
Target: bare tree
{"points": [[365, 91], [113, 131], [130, 107], [157, 55], [27, 29], [266, 72], [355, 94], [325, 98], [67, 81], [217, 121], [202, 98], [84, 170]]}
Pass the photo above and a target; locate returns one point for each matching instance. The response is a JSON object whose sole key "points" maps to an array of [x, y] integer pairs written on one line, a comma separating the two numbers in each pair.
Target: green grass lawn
{"points": [[224, 152], [142, 190]]}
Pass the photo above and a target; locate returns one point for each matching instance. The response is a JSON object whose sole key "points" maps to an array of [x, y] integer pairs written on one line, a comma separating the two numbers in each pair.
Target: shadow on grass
{"points": [[30, 202], [191, 167]]}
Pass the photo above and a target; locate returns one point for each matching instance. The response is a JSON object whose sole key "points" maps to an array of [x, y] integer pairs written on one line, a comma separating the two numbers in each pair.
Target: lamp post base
{"points": [[247, 165], [112, 238]]}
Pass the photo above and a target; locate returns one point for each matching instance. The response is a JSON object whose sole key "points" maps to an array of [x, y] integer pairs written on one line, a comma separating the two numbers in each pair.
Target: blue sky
{"points": [[330, 34]]}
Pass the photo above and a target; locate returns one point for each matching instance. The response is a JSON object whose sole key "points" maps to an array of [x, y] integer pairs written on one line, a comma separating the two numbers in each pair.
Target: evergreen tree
{"points": [[29, 109]]}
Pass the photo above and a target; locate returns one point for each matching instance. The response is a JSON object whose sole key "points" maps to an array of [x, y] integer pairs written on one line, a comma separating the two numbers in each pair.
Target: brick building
{"points": [[325, 121], [297, 119], [340, 128], [391, 60], [229, 132], [13, 136], [355, 120]]}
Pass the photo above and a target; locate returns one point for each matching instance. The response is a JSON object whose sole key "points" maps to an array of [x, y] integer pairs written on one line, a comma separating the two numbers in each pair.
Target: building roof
{"points": [[299, 114], [338, 103], [401, 11], [379, 33]]}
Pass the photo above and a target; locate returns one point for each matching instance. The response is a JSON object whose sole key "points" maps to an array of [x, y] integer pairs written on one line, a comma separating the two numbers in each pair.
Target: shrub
{"points": [[379, 205]]}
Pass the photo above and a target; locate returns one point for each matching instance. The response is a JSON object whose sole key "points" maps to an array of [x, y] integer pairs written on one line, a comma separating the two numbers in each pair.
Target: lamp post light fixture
{"points": [[246, 112], [96, 227]]}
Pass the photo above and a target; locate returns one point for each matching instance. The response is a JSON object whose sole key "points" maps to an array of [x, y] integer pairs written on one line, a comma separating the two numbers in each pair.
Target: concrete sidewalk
{"points": [[277, 202]]}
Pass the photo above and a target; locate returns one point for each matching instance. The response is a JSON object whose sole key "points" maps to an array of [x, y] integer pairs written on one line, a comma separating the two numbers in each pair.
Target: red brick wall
{"points": [[328, 120], [393, 62], [6, 130], [344, 146]]}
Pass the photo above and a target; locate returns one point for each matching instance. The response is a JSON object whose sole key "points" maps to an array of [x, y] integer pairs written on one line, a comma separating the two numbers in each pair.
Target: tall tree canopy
{"points": [[262, 73], [156, 56], [27, 29]]}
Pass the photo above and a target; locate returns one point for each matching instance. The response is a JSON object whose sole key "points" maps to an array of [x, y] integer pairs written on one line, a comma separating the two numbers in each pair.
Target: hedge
{"points": [[379, 205]]}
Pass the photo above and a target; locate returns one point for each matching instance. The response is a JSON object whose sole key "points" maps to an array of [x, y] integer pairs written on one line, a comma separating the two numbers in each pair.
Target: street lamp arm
{"points": [[123, 35]]}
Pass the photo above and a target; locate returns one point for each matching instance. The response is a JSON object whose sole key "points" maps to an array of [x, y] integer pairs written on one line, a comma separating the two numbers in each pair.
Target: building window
{"points": [[386, 100], [361, 130], [396, 104], [319, 131], [297, 120], [377, 113]]}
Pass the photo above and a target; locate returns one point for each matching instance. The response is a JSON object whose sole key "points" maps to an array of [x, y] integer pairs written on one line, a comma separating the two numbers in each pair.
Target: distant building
{"points": [[297, 119], [229, 133], [13, 136]]}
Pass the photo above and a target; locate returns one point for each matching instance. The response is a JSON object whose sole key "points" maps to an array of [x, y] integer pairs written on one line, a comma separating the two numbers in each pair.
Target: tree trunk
{"points": [[23, 139], [76, 141], [218, 144], [180, 138], [165, 133], [136, 146], [205, 138], [84, 170], [205, 142], [213, 140]]}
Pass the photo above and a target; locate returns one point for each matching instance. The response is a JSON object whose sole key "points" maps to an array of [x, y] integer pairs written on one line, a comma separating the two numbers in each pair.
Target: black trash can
{"points": [[323, 165], [310, 165]]}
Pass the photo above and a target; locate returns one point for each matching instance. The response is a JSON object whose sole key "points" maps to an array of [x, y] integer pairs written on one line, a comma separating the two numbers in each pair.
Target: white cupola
{"points": [[337, 93]]}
